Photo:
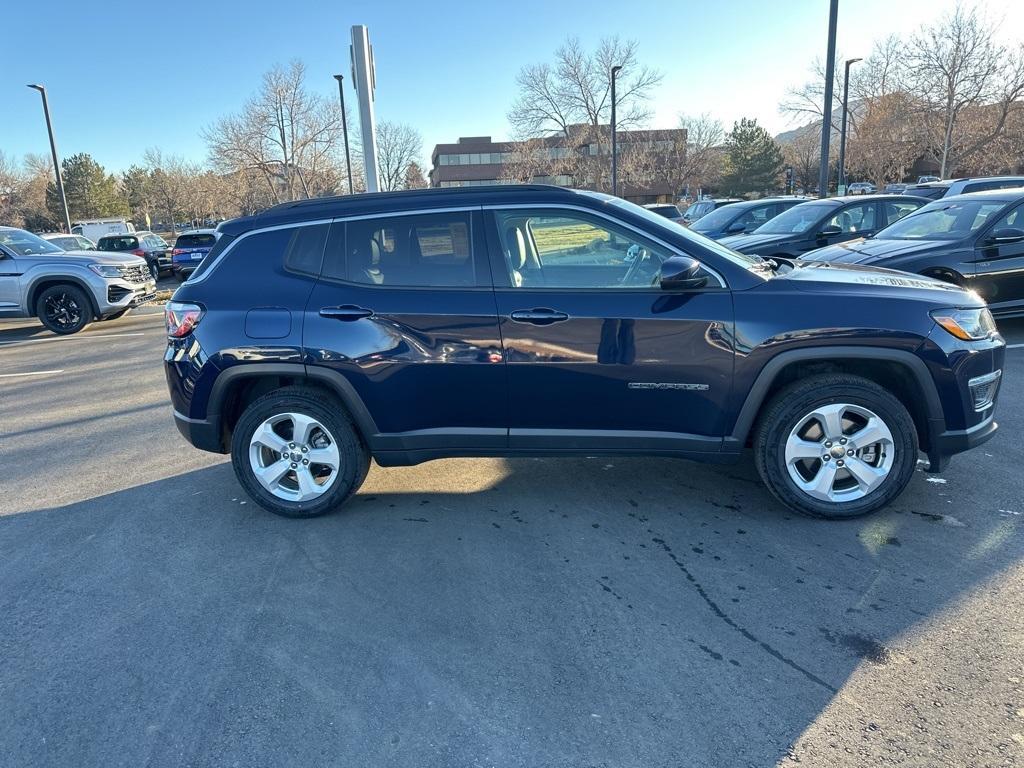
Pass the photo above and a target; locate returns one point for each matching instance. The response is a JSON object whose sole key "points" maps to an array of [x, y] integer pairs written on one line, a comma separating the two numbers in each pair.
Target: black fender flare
{"points": [[33, 288], [756, 396], [332, 380]]}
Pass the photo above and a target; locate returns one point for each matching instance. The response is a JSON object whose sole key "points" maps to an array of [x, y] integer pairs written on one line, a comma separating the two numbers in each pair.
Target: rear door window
{"points": [[423, 251]]}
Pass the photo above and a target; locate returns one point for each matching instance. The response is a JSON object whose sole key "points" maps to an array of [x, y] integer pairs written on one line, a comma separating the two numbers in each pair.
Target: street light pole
{"points": [[344, 130], [826, 116], [53, 150], [615, 168], [842, 131]]}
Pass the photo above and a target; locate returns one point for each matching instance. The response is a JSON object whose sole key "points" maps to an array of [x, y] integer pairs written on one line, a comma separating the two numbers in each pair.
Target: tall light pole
{"points": [[344, 130], [826, 113], [53, 150], [842, 131], [615, 167]]}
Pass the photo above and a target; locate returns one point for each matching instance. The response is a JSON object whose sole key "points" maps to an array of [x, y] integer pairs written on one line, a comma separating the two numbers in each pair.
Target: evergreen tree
{"points": [[753, 159], [89, 190]]}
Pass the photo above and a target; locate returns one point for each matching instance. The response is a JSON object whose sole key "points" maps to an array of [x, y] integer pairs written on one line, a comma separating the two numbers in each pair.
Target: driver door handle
{"points": [[538, 316], [346, 312]]}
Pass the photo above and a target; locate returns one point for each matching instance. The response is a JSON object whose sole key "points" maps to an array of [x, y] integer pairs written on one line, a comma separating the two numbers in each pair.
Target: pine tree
{"points": [[753, 159], [89, 190]]}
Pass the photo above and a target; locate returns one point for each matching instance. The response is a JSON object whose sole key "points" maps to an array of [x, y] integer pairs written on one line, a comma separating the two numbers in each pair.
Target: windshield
{"points": [[717, 219], [25, 243], [799, 218], [943, 220], [669, 228]]}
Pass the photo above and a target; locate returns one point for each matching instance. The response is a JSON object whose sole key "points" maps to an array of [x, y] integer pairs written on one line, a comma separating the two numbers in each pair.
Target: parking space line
{"points": [[72, 338], [30, 373]]}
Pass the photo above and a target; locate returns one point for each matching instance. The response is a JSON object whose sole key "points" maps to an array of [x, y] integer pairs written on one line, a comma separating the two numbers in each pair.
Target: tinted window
{"points": [[666, 210], [431, 250], [717, 219], [222, 243], [896, 211], [856, 218], [195, 241], [755, 217], [1013, 220], [126, 243], [981, 186], [306, 249], [544, 249]]}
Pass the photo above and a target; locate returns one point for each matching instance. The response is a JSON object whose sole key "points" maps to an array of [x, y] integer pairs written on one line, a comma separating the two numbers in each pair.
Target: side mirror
{"points": [[1005, 235], [830, 231], [735, 228], [682, 273]]}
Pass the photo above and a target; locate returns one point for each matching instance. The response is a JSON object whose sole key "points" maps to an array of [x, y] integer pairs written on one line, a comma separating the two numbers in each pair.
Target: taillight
{"points": [[177, 251], [139, 252], [181, 318]]}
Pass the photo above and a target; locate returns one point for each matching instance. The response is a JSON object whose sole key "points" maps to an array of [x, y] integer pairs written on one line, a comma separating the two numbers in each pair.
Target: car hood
{"points": [[752, 242], [830, 277], [84, 258], [863, 251]]}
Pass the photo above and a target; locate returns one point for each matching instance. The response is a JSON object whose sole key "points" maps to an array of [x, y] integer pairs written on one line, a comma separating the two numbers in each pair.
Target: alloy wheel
{"points": [[294, 457], [63, 310], [839, 452]]}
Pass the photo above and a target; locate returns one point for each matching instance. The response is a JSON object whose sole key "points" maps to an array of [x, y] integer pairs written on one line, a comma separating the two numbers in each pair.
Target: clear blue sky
{"points": [[126, 76]]}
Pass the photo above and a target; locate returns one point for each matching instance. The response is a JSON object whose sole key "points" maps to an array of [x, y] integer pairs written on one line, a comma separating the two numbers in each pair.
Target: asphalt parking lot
{"points": [[639, 612]]}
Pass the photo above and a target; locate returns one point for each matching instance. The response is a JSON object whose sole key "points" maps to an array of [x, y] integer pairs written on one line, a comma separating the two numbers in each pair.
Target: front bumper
{"points": [[121, 294], [954, 441]]}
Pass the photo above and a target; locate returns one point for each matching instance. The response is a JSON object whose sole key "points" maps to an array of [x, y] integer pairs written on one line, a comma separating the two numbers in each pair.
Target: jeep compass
{"points": [[541, 321]]}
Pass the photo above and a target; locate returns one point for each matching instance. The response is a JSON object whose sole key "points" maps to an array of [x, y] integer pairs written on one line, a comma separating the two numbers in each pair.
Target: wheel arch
{"points": [[902, 372], [43, 282], [237, 386]]}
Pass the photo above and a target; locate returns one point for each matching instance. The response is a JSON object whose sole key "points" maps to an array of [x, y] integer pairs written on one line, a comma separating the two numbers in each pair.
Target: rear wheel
{"points": [[154, 269], [64, 309], [297, 454], [835, 446]]}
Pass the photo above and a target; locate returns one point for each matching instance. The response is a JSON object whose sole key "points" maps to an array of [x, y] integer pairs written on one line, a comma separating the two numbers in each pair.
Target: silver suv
{"points": [[67, 290]]}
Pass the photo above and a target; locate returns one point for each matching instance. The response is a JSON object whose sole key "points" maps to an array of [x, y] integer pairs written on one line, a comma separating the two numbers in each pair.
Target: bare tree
{"points": [[968, 83], [170, 177], [398, 146], [886, 142], [696, 159], [576, 89], [414, 178], [290, 136], [802, 153]]}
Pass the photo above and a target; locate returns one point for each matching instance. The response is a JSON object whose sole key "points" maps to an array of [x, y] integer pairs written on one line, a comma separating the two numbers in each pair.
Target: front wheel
{"points": [[154, 269], [835, 446], [297, 454], [64, 309]]}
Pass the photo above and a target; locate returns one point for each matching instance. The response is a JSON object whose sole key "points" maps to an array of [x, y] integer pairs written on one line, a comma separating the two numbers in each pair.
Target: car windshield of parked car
{"points": [[673, 229], [717, 219], [943, 220], [24, 243], [797, 219]]}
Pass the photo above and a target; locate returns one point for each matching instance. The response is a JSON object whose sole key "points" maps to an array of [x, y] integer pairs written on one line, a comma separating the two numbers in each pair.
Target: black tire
{"points": [[154, 269], [794, 403], [354, 457], [64, 309]]}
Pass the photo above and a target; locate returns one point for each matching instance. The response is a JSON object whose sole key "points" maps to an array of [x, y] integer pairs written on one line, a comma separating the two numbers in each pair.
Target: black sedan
{"points": [[817, 223], [740, 218], [974, 240]]}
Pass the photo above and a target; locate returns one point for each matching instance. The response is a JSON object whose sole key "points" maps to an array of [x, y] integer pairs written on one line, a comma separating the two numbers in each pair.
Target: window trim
{"points": [[498, 256]]}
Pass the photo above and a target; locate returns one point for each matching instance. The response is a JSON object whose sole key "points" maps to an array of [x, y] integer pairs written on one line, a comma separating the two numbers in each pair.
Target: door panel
{"points": [[405, 312], [10, 284], [999, 273], [616, 365]]}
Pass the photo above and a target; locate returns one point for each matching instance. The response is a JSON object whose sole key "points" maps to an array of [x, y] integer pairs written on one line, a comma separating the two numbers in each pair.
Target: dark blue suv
{"points": [[539, 321]]}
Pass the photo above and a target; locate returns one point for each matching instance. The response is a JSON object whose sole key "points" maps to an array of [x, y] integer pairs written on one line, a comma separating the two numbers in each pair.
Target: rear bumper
{"points": [[204, 434]]}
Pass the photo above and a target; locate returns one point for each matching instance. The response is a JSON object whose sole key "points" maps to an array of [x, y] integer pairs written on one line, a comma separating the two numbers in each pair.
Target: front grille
{"points": [[135, 274], [983, 390]]}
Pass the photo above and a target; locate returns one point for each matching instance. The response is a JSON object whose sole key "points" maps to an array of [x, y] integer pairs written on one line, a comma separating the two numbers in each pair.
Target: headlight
{"points": [[966, 324], [105, 270]]}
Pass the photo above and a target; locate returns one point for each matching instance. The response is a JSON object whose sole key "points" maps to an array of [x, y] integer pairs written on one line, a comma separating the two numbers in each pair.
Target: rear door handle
{"points": [[346, 312], [538, 316]]}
